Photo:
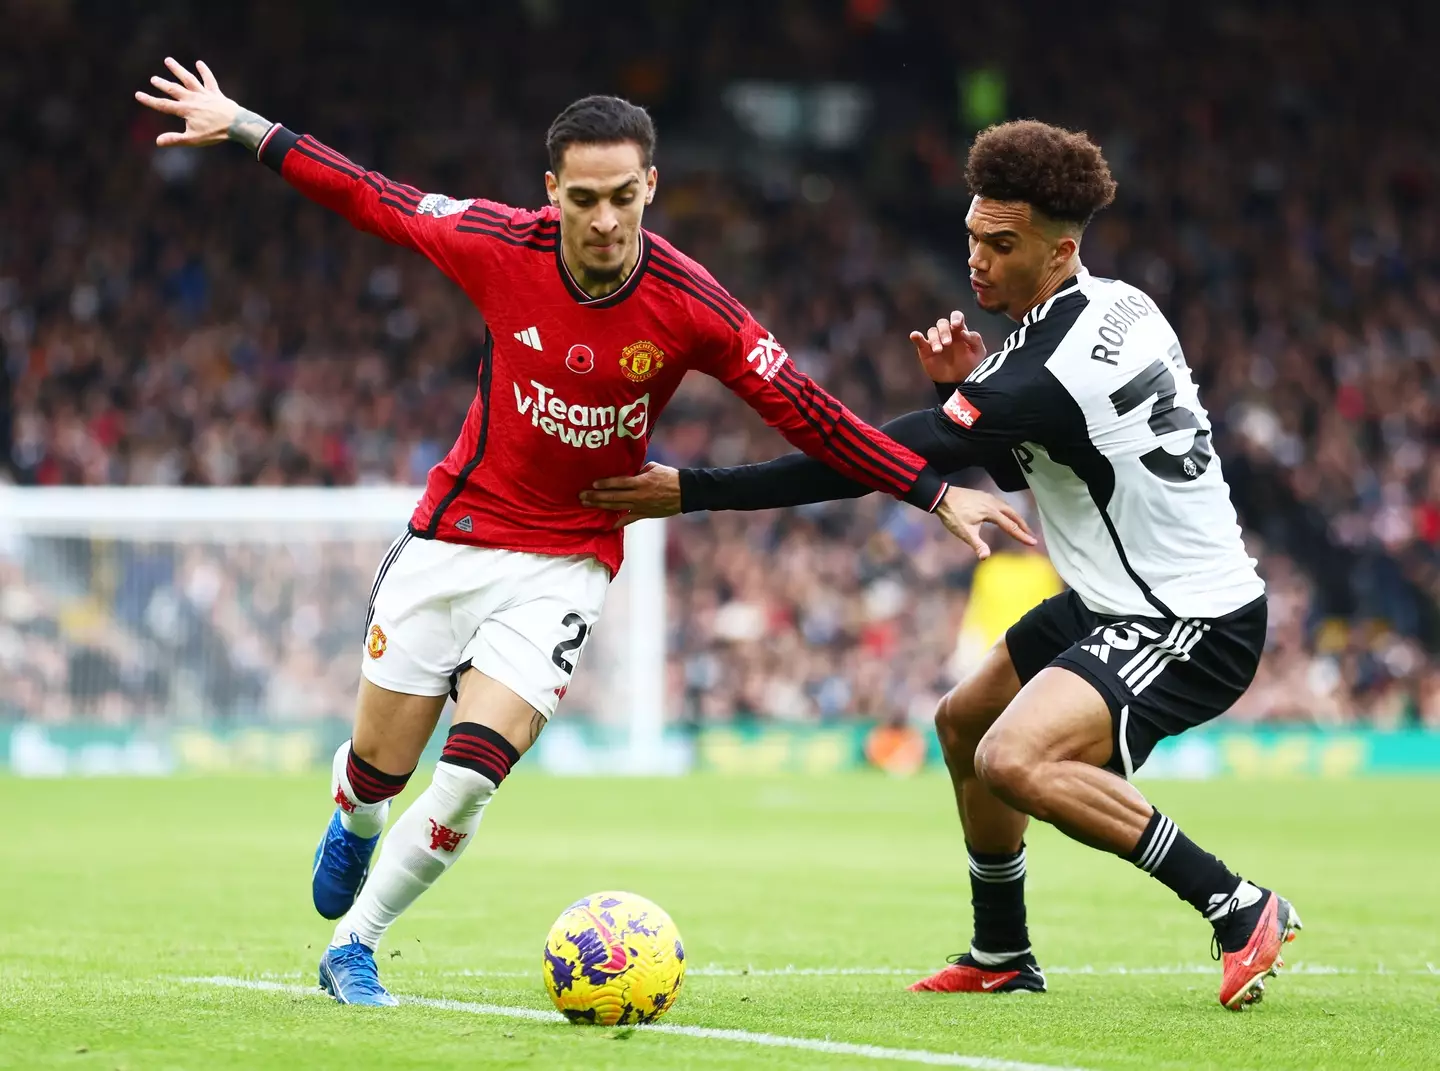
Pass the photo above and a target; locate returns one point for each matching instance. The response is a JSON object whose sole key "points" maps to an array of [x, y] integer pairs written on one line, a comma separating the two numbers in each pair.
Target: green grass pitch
{"points": [[114, 892]]}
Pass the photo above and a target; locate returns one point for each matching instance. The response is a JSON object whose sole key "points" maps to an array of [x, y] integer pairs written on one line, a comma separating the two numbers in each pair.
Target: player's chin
{"points": [[606, 268], [989, 300]]}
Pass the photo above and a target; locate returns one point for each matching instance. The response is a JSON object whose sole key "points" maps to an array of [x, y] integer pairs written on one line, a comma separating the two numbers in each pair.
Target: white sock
{"points": [[1244, 895], [421, 845], [362, 819]]}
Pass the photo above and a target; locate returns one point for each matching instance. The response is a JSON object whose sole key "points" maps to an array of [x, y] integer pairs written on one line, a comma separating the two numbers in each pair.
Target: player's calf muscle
{"points": [[1045, 757], [961, 720]]}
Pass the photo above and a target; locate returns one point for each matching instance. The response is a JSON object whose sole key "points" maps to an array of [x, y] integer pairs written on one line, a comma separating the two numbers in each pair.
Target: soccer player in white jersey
{"points": [[1090, 404]]}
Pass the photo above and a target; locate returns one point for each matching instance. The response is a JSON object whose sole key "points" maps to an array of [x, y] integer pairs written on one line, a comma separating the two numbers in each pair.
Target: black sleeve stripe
{"points": [[350, 171], [320, 148], [884, 463], [325, 155], [400, 195], [717, 292], [542, 241], [389, 195], [399, 191], [536, 228], [704, 286], [831, 431], [540, 244], [816, 421], [735, 322], [712, 288], [479, 214], [387, 192], [850, 432], [845, 429], [686, 287], [882, 457]]}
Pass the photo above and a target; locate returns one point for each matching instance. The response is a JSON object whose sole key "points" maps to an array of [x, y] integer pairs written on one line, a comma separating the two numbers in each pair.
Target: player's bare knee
{"points": [[945, 720], [392, 728], [968, 710], [1007, 767], [384, 752]]}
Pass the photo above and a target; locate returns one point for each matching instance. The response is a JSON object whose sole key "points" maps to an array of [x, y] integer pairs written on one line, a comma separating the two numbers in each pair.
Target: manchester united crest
{"points": [[641, 360], [375, 642]]}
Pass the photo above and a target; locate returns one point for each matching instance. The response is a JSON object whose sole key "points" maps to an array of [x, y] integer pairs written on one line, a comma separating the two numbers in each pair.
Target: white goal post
{"points": [[166, 605]]}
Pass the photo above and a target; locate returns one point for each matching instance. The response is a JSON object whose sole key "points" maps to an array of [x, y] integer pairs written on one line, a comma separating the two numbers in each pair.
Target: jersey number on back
{"points": [[1165, 416]]}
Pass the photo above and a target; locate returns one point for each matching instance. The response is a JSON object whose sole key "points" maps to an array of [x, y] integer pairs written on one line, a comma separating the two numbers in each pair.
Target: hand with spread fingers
{"points": [[653, 492], [963, 511], [210, 116], [949, 351]]}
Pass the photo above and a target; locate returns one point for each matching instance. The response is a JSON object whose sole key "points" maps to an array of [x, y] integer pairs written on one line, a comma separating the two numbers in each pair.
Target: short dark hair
{"points": [[1059, 172], [600, 121]]}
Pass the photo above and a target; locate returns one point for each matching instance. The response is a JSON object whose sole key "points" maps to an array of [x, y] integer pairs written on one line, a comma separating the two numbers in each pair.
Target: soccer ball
{"points": [[613, 958]]}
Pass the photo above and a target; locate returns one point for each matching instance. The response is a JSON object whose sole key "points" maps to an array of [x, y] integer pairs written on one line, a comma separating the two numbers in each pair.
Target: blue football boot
{"points": [[341, 862], [348, 974]]}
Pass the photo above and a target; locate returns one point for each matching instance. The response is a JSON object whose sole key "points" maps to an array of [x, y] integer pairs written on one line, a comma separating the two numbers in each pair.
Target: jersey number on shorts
{"points": [[1165, 416], [560, 656]]}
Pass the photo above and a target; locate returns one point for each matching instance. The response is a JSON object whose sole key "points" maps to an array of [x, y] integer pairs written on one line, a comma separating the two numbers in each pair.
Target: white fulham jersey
{"points": [[1092, 397]]}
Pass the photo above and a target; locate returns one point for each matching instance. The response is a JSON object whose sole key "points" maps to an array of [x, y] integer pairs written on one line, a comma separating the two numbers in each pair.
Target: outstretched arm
{"points": [[426, 223], [796, 480], [731, 346]]}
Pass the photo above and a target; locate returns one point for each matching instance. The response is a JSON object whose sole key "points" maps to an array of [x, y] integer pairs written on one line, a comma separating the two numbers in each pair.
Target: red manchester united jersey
{"points": [[570, 386]]}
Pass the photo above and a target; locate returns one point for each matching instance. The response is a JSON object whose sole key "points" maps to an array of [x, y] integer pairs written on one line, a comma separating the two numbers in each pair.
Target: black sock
{"points": [[997, 892], [480, 748], [369, 783], [1189, 871]]}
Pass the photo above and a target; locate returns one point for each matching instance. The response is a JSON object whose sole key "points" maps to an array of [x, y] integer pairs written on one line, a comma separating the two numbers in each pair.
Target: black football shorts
{"points": [[1159, 676]]}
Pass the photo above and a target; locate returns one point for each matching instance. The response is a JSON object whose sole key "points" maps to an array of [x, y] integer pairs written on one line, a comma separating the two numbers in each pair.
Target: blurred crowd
{"points": [[180, 316], [118, 631]]}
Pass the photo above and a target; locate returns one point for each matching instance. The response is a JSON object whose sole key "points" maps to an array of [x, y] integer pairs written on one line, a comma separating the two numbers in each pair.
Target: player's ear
{"points": [[651, 178], [552, 188]]}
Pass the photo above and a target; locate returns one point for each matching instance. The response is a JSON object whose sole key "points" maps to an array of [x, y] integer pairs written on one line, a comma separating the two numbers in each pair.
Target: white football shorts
{"points": [[437, 609]]}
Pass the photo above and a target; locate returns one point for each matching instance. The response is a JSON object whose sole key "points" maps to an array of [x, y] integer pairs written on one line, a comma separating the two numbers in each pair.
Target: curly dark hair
{"points": [[1058, 172]]}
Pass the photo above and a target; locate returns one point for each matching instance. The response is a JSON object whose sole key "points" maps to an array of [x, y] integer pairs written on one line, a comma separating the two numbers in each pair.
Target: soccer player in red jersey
{"points": [[499, 579]]}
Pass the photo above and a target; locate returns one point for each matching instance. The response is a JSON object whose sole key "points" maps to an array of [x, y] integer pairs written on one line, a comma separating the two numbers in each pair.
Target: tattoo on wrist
{"points": [[248, 129]]}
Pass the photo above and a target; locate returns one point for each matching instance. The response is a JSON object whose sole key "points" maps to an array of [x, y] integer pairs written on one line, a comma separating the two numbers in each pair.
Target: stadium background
{"points": [[181, 317]]}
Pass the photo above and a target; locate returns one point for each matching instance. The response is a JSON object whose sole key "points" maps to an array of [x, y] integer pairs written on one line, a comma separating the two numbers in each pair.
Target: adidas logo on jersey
{"points": [[530, 337], [465, 524]]}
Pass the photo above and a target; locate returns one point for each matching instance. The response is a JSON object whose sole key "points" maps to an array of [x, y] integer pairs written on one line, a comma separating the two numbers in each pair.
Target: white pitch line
{"points": [[743, 1037], [1298, 967]]}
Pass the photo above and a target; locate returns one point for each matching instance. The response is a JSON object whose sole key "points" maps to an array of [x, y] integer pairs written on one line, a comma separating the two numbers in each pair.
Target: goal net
{"points": [[164, 607]]}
